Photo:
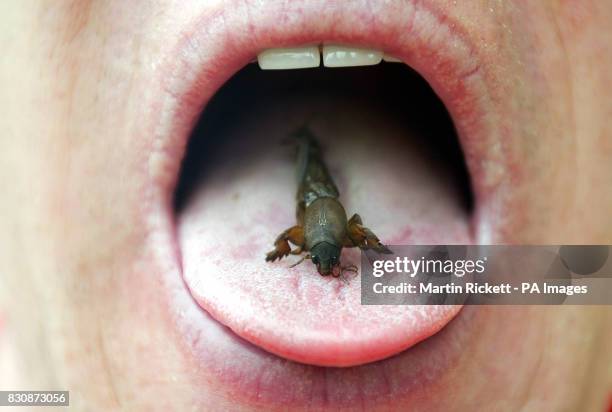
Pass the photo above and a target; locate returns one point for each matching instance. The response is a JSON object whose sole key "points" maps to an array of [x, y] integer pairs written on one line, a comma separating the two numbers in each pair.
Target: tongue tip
{"points": [[344, 349], [339, 354], [323, 331]]}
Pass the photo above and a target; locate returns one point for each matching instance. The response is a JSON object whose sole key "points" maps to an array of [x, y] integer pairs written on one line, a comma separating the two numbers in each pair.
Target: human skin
{"points": [[84, 299]]}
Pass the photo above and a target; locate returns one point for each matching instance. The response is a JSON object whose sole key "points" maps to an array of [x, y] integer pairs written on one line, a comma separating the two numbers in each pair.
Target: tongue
{"points": [[245, 196]]}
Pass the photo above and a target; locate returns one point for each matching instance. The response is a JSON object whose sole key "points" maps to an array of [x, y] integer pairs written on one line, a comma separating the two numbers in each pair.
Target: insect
{"points": [[322, 226]]}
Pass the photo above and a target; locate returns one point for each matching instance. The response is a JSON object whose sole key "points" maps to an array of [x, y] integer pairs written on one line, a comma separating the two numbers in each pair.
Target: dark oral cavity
{"points": [[296, 313]]}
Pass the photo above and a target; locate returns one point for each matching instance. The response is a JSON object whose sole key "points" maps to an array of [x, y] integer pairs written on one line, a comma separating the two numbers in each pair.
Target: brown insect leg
{"points": [[294, 235], [363, 237]]}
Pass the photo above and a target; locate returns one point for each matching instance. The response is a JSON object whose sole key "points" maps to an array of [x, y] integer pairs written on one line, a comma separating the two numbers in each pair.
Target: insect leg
{"points": [[363, 237], [294, 235]]}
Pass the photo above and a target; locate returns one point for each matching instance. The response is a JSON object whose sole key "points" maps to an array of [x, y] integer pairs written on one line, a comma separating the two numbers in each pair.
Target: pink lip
{"points": [[428, 40]]}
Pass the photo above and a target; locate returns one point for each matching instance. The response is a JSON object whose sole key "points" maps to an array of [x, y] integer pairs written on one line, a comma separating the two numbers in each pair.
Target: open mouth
{"points": [[403, 173], [275, 334]]}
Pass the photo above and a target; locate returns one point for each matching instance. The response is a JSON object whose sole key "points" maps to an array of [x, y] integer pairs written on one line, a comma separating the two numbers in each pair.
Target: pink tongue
{"points": [[247, 197]]}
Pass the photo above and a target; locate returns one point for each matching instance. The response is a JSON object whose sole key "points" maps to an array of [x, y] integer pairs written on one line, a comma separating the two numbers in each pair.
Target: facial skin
{"points": [[84, 300]]}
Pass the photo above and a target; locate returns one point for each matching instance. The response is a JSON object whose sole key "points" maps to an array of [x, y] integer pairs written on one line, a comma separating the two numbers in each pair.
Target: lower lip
{"points": [[189, 79]]}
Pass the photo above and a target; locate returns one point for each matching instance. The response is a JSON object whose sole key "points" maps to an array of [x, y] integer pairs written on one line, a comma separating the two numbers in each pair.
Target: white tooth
{"points": [[342, 56], [289, 58], [391, 59]]}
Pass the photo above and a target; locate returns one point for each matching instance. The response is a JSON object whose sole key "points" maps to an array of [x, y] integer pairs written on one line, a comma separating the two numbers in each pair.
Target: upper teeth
{"points": [[309, 56], [289, 58], [342, 56]]}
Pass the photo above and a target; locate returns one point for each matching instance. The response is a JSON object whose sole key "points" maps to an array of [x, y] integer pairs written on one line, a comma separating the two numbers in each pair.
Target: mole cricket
{"points": [[322, 227]]}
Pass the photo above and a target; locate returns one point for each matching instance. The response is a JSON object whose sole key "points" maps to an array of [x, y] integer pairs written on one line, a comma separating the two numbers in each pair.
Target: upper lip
{"points": [[429, 39]]}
